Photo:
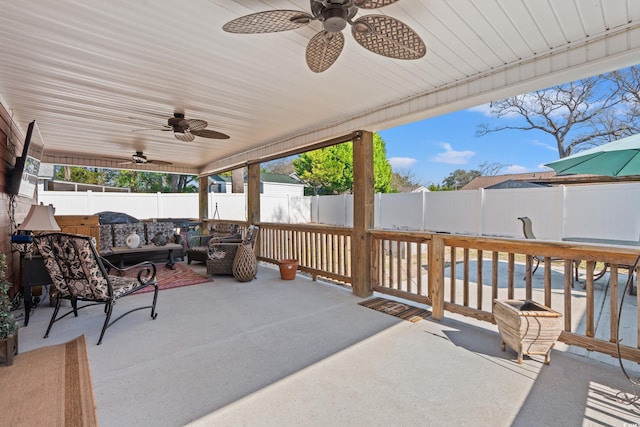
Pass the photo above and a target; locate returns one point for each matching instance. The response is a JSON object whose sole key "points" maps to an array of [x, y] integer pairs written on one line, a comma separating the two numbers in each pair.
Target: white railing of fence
{"points": [[601, 211]]}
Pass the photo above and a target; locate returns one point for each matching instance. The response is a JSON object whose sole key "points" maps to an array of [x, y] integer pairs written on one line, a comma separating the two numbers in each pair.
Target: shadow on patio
{"points": [[273, 352]]}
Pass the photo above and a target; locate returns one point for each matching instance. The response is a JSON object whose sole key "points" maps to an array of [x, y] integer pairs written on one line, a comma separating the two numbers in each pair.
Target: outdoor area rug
{"points": [[49, 386], [395, 308], [168, 279]]}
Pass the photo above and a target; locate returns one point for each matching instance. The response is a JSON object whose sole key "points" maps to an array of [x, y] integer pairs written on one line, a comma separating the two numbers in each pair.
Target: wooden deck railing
{"points": [[463, 274], [322, 251]]}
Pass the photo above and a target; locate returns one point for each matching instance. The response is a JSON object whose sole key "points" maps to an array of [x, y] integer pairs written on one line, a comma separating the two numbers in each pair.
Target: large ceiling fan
{"points": [[187, 129], [140, 159], [380, 34]]}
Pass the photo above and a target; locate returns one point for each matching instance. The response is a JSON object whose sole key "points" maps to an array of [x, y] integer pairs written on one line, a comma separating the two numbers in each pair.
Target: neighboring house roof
{"points": [[513, 183], [488, 181], [264, 177], [548, 178], [278, 178]]}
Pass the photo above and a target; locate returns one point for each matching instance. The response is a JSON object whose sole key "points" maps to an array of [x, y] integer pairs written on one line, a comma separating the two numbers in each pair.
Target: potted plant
{"points": [[8, 325]]}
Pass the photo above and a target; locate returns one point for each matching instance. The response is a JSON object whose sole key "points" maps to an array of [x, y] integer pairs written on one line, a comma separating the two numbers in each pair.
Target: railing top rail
{"points": [[618, 254], [333, 229]]}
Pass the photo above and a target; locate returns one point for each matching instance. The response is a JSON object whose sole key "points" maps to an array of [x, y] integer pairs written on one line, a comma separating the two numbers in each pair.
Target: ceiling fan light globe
{"points": [[361, 27], [335, 19], [301, 19]]}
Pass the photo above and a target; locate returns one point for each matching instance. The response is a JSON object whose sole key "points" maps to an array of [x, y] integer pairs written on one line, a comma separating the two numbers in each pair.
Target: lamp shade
{"points": [[40, 218]]}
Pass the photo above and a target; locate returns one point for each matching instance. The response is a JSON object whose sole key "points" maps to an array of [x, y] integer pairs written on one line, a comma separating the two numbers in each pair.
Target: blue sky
{"points": [[431, 149]]}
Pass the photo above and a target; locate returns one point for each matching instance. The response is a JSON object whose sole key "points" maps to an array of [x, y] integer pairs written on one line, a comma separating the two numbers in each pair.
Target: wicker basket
{"points": [[527, 327]]}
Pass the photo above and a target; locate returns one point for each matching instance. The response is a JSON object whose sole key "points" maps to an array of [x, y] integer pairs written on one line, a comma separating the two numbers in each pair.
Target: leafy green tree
{"points": [[136, 181], [459, 178], [404, 181], [438, 187], [330, 170]]}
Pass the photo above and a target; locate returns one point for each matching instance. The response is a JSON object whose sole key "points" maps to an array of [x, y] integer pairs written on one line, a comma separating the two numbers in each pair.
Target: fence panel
{"points": [[501, 209], [390, 217], [603, 211], [453, 212], [597, 211]]}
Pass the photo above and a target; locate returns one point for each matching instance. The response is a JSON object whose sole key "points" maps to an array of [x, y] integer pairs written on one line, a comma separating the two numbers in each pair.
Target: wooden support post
{"points": [[436, 277], [203, 197], [362, 214], [253, 193]]}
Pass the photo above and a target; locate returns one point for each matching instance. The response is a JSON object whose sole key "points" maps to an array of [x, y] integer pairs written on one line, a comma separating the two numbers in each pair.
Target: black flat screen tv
{"points": [[23, 178]]}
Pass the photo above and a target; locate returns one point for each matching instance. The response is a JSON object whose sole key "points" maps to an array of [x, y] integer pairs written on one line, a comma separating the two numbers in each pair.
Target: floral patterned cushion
{"points": [[121, 231], [166, 228], [74, 268], [71, 262], [106, 238]]}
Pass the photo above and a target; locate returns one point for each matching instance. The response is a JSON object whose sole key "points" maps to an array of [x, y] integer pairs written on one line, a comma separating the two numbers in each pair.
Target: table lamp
{"points": [[40, 218]]}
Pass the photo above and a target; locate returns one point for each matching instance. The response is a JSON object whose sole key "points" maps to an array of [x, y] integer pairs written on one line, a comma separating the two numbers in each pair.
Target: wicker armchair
{"points": [[199, 245], [222, 253]]}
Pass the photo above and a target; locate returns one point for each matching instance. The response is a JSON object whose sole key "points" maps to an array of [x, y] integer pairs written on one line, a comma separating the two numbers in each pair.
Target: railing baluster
{"points": [[512, 274], [613, 302], [465, 287], [494, 275], [453, 264], [590, 332], [547, 281], [480, 267]]}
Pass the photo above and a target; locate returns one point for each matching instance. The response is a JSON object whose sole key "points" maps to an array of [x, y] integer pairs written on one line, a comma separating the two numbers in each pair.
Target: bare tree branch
{"points": [[576, 114]]}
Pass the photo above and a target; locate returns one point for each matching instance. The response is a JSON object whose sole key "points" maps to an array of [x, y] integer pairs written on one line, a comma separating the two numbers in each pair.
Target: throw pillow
{"points": [[159, 239]]}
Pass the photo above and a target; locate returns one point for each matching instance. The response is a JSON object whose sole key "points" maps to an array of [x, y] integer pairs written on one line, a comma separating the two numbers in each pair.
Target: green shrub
{"points": [[8, 325]]}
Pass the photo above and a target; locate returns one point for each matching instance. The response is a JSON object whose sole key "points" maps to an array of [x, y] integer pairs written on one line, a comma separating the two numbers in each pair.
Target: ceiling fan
{"points": [[140, 159], [187, 129], [380, 34]]}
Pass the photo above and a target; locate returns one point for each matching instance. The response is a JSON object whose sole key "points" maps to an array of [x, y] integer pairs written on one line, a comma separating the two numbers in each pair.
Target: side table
{"points": [[34, 273]]}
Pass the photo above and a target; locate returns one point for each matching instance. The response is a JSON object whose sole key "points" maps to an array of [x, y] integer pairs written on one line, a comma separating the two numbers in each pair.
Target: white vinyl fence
{"points": [[609, 211]]}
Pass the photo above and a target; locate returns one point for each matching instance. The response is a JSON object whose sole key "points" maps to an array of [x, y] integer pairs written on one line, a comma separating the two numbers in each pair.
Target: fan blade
{"points": [[207, 133], [165, 129], [195, 124], [271, 21], [159, 162], [184, 136], [388, 36], [372, 4], [323, 50]]}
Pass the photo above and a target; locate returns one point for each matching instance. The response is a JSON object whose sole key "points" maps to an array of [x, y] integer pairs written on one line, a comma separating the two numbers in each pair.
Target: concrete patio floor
{"points": [[302, 353]]}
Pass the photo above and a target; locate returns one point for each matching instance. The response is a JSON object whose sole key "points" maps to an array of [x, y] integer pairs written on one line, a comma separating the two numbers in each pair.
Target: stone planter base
{"points": [[8, 349], [527, 327]]}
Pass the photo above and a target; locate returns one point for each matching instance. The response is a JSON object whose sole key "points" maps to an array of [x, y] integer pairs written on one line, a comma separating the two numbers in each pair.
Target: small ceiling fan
{"points": [[140, 159], [187, 129], [380, 34]]}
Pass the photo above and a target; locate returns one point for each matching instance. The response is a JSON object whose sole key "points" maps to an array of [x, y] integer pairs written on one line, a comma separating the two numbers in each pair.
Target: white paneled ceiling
{"points": [[91, 72]]}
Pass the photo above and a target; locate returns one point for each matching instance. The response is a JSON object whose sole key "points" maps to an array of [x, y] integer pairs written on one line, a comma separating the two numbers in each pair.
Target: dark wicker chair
{"points": [[199, 245], [222, 252], [79, 274]]}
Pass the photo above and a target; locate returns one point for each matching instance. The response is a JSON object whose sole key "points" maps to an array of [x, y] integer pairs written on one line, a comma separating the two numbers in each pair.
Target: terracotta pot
{"points": [[288, 268]]}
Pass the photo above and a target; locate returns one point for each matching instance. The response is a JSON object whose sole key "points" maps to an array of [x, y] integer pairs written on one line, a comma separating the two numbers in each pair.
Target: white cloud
{"points": [[401, 162], [453, 157], [516, 169], [544, 168], [539, 143], [482, 109]]}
